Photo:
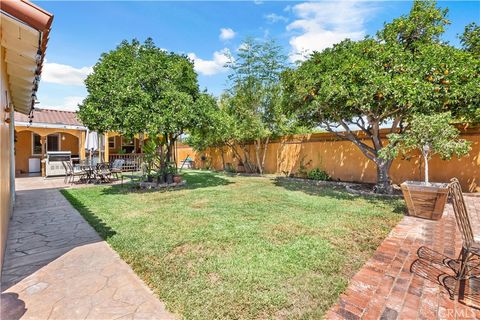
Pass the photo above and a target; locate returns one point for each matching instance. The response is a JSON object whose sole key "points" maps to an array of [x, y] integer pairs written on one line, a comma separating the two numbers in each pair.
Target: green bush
{"points": [[318, 174]]}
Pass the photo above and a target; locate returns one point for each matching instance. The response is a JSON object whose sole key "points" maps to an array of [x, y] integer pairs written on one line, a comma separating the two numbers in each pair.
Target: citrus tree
{"points": [[429, 134], [358, 88], [215, 130], [140, 88]]}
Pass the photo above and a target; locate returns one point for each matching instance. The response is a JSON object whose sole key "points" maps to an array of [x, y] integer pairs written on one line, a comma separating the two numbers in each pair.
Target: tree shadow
{"points": [[337, 192], [194, 180], [11, 307], [104, 230]]}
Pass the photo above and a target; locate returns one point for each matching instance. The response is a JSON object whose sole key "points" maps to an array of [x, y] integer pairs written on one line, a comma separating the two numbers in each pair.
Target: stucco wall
{"points": [[344, 161], [23, 146], [5, 196], [118, 144]]}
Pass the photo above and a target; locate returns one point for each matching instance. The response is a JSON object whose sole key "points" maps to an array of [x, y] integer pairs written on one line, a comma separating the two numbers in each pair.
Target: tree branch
{"points": [[368, 151]]}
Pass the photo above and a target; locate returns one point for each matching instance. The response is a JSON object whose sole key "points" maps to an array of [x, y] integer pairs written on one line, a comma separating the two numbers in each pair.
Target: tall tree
{"points": [[471, 38], [356, 88], [254, 98], [140, 88], [215, 130]]}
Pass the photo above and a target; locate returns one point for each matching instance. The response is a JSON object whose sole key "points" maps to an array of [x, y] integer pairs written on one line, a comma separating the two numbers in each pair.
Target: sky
{"points": [[206, 32]]}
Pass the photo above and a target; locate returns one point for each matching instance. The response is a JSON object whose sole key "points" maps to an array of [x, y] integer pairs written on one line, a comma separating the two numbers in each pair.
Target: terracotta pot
{"points": [[177, 178], [425, 200]]}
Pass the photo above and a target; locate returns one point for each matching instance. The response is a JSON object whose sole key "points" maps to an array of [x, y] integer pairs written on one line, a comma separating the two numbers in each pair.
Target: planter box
{"points": [[425, 201]]}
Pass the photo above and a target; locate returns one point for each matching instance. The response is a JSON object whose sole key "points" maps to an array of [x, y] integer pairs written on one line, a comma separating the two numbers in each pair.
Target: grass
{"points": [[240, 247]]}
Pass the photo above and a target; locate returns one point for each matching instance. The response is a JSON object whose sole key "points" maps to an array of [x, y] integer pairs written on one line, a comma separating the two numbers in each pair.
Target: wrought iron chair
{"points": [[71, 172], [103, 172], [117, 167], [470, 254]]}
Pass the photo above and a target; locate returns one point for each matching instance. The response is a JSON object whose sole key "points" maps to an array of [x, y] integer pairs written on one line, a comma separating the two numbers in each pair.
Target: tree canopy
{"points": [[429, 134], [253, 98], [140, 88], [357, 88]]}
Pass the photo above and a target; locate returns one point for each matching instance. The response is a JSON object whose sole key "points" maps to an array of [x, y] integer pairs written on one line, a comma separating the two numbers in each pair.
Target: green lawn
{"points": [[240, 247]]}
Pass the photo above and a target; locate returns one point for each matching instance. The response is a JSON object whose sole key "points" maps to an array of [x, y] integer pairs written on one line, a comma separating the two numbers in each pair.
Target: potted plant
{"points": [[177, 178], [160, 177], [169, 171], [430, 134]]}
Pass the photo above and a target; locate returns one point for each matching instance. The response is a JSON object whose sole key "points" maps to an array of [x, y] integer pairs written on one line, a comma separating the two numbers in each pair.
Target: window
{"points": [[53, 142], [111, 142], [128, 145], [36, 144]]}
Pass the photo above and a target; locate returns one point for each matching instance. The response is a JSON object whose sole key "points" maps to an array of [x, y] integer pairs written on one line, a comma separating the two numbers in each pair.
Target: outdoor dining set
{"points": [[92, 171]]}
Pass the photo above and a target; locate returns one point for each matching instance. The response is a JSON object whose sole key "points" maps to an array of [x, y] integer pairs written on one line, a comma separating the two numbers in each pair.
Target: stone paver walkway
{"points": [[57, 267], [411, 273]]}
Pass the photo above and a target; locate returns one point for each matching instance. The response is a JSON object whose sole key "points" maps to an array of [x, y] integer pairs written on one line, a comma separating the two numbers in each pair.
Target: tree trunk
{"points": [[246, 160], [265, 146], [258, 146], [383, 179], [425, 152], [223, 157]]}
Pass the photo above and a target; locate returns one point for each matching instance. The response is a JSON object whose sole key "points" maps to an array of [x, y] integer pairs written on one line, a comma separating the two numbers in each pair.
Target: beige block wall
{"points": [[5, 196], [344, 161]]}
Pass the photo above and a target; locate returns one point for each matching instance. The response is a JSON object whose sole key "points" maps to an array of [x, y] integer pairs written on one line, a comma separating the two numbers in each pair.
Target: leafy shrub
{"points": [[318, 174]]}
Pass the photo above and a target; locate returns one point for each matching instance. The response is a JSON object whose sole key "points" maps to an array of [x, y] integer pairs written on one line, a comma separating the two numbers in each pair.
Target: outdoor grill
{"points": [[53, 163]]}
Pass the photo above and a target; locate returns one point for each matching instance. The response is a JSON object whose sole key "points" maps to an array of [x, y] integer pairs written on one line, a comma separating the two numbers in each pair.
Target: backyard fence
{"points": [[342, 160]]}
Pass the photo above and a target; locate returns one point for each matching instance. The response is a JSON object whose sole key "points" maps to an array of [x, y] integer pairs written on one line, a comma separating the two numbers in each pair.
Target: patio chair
{"points": [[72, 172], [103, 172], [117, 167], [470, 248]]}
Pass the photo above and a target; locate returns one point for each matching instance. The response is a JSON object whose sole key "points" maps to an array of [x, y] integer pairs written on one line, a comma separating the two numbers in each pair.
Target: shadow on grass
{"points": [[194, 179], [98, 224], [337, 192]]}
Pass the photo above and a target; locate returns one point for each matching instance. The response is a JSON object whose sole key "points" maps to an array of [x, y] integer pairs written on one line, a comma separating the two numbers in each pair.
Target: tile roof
{"points": [[51, 117]]}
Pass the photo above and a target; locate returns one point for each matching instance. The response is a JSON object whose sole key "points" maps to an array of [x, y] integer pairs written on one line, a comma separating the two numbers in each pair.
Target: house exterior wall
{"points": [[118, 144], [23, 146], [343, 160], [5, 195]]}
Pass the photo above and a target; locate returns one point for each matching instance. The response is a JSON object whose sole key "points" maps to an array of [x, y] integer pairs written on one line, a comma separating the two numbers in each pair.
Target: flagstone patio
{"points": [[411, 274], [57, 267]]}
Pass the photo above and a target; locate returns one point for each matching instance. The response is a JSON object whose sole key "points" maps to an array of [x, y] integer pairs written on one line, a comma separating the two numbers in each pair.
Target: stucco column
{"points": [[12, 157], [82, 145], [106, 147], [43, 142]]}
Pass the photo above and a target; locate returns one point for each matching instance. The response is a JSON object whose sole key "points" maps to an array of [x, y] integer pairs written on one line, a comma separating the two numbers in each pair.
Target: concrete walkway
{"points": [[57, 267]]}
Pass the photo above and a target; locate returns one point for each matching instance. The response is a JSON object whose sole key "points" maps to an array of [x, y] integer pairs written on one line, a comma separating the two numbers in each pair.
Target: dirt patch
{"points": [[186, 249], [199, 204], [284, 232], [213, 277]]}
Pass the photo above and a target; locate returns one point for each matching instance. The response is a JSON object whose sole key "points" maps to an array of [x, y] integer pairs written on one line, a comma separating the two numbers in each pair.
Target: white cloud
{"points": [[227, 34], [69, 103], [257, 2], [211, 67], [64, 74], [322, 24], [273, 18]]}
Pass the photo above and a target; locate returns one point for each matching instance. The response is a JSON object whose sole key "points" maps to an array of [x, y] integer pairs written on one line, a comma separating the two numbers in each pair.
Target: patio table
{"points": [[90, 171]]}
